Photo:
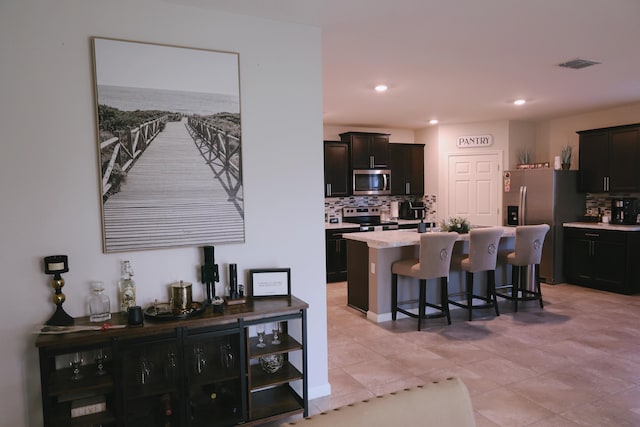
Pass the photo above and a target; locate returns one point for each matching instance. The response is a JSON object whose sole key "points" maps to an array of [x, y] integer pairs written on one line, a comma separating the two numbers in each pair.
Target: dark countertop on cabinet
{"points": [[602, 226]]}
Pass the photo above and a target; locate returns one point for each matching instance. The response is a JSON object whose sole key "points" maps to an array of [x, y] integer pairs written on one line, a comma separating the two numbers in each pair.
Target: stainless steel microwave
{"points": [[371, 182]]}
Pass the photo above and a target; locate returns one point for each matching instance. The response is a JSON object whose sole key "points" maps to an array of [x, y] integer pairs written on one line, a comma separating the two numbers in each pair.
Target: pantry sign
{"points": [[474, 141]]}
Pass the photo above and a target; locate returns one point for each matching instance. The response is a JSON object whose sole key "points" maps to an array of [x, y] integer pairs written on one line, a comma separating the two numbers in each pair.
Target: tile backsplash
{"points": [[601, 202], [333, 205]]}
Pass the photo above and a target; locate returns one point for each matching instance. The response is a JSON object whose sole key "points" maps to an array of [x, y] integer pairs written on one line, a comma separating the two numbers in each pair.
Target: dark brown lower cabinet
{"points": [[203, 371], [602, 259], [336, 255], [358, 275]]}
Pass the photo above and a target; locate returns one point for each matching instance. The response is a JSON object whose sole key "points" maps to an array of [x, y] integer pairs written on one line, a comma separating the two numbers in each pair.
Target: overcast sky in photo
{"points": [[133, 64]]}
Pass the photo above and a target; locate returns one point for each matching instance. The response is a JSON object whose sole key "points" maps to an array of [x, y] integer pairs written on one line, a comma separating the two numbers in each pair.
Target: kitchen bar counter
{"points": [[398, 238], [350, 225], [602, 226], [370, 257]]}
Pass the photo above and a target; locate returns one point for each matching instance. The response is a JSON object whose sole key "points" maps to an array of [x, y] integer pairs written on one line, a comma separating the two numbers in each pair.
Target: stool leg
{"points": [[394, 296], [517, 277], [422, 301], [444, 301], [514, 280], [537, 274], [491, 290], [469, 287]]}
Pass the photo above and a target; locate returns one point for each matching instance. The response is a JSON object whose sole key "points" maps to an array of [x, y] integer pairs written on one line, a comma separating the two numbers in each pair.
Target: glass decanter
{"points": [[99, 304]]}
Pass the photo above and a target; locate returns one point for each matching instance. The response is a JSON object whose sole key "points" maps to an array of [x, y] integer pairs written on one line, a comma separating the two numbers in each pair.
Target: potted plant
{"points": [[458, 224], [525, 156], [565, 156]]}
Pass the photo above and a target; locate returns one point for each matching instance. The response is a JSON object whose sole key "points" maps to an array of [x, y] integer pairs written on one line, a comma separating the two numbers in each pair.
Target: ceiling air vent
{"points": [[576, 64]]}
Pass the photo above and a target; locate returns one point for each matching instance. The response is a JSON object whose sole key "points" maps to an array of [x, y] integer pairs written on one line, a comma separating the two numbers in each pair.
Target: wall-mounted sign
{"points": [[474, 141]]}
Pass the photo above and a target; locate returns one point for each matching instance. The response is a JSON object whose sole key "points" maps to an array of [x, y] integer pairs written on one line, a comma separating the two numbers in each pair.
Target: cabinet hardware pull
{"points": [[328, 189], [592, 235]]}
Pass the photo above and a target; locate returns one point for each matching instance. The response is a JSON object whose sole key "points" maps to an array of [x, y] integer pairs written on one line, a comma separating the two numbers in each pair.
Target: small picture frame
{"points": [[270, 282]]}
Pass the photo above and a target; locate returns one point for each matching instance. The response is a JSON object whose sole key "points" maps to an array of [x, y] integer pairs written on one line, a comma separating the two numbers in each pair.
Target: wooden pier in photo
{"points": [[175, 194]]}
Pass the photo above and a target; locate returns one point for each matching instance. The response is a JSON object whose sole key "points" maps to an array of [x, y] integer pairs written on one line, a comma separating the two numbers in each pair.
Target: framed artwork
{"points": [[270, 282], [169, 145]]}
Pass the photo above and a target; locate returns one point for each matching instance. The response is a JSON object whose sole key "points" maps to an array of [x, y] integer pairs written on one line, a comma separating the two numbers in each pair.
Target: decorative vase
{"points": [[272, 364], [566, 166]]}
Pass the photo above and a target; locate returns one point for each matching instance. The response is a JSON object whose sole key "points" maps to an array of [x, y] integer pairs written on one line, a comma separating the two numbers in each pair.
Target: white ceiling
{"points": [[463, 60]]}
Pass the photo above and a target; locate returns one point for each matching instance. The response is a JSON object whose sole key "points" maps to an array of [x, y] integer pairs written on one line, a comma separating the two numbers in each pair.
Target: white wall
{"points": [[49, 177], [522, 136]]}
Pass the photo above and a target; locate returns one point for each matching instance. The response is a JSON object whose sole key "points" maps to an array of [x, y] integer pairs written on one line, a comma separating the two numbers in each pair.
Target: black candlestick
{"points": [[233, 281], [57, 264]]}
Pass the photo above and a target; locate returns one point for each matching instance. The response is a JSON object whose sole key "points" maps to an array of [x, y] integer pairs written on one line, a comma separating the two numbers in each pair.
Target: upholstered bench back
{"points": [[441, 403]]}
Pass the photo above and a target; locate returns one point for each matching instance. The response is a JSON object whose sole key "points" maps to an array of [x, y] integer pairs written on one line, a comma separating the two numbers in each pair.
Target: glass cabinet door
{"points": [[151, 382], [214, 365], [78, 386]]}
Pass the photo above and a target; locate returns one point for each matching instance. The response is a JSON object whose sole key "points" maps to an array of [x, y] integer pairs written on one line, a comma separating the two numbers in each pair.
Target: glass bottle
{"points": [[127, 287], [99, 304]]}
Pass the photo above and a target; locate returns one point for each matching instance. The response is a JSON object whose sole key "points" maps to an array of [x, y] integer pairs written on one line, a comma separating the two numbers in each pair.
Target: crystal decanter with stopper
{"points": [[127, 287], [99, 304]]}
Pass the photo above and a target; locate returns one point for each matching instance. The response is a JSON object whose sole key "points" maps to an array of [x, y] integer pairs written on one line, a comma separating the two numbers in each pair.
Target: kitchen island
{"points": [[370, 255]]}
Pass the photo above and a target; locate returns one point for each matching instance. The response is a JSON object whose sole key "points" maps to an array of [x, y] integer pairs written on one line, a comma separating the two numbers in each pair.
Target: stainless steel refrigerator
{"points": [[537, 196]]}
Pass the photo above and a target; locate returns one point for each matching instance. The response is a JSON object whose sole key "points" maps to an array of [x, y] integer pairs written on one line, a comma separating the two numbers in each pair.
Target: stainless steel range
{"points": [[368, 217]]}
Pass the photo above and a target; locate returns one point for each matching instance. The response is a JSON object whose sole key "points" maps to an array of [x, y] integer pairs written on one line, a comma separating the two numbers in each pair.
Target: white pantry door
{"points": [[473, 188]]}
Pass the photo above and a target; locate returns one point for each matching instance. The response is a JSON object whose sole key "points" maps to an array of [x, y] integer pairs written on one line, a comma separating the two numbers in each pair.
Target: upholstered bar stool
{"points": [[483, 255], [433, 262], [528, 252]]}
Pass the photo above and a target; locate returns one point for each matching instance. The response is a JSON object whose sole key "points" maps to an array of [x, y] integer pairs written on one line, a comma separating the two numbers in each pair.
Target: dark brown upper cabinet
{"points": [[336, 169], [609, 159], [406, 162], [368, 150]]}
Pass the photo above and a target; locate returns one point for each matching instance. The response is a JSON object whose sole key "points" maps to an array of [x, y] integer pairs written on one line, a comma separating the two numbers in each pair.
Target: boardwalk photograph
{"points": [[169, 137]]}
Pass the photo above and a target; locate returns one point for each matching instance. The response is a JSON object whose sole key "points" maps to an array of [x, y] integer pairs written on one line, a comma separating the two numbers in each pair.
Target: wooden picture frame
{"points": [[270, 282], [169, 145]]}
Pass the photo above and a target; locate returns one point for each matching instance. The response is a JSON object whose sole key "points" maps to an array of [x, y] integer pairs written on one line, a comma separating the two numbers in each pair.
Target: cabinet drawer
{"points": [[597, 234]]}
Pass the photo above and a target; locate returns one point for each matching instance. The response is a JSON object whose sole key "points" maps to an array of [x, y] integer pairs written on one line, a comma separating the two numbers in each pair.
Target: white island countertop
{"points": [[350, 225], [399, 238], [602, 226]]}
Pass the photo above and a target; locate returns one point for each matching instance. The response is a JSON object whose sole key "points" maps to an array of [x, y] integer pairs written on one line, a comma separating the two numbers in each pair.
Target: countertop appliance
{"points": [[624, 210], [371, 182], [368, 217], [412, 210], [549, 196]]}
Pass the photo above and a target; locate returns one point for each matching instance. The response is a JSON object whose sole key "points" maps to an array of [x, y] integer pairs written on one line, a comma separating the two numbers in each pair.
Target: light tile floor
{"points": [[574, 363]]}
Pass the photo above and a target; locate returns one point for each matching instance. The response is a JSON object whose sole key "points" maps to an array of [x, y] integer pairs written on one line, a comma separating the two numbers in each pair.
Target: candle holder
{"points": [[56, 265]]}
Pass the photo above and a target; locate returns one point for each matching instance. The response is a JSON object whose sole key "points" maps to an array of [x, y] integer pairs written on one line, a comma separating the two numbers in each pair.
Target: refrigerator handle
{"points": [[523, 205]]}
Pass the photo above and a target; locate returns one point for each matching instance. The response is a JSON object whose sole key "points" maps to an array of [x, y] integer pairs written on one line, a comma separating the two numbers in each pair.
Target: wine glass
{"points": [[227, 359], [144, 370], [201, 360], [76, 362], [275, 328], [260, 332], [170, 365], [101, 357]]}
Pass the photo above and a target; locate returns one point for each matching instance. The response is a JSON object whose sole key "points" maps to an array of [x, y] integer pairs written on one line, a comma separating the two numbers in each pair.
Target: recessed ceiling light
{"points": [[519, 102], [381, 88], [433, 121]]}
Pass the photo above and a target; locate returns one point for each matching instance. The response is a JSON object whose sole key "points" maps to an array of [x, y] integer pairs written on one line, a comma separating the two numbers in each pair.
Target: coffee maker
{"points": [[412, 210], [624, 210]]}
